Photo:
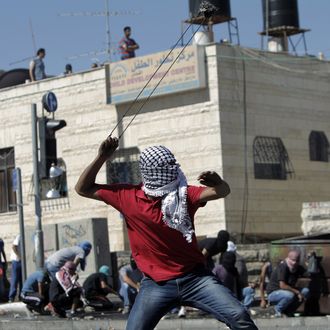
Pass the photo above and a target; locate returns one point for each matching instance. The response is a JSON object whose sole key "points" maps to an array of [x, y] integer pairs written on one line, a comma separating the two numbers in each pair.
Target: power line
{"points": [[144, 87], [207, 10]]}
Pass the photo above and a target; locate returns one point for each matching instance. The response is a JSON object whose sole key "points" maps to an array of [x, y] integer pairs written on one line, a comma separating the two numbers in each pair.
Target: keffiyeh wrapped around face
{"points": [[162, 177]]}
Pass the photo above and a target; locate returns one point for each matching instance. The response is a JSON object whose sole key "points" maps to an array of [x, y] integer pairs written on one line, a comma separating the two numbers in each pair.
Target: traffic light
{"points": [[47, 144]]}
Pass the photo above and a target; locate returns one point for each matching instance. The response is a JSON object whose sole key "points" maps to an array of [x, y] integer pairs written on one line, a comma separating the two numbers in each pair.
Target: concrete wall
{"points": [[280, 96], [315, 218]]}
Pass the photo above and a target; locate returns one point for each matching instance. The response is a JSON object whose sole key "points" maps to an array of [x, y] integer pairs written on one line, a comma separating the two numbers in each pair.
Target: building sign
{"points": [[127, 78]]}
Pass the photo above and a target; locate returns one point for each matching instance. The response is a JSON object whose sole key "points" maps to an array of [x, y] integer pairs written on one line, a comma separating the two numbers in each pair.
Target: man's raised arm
{"points": [[86, 185], [216, 187]]}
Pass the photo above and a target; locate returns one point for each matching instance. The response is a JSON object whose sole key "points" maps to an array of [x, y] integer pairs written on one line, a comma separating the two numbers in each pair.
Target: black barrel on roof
{"points": [[280, 13], [14, 77]]}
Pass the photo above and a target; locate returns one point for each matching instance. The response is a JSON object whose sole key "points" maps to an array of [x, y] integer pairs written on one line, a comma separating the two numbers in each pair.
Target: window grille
{"points": [[271, 160], [318, 147], [7, 194], [124, 167]]}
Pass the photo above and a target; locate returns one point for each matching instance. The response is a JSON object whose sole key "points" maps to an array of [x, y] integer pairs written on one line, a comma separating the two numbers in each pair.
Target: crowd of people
{"points": [[57, 290]]}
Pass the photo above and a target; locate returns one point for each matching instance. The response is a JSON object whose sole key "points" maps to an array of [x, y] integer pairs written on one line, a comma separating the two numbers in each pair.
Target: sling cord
{"points": [[153, 90]]}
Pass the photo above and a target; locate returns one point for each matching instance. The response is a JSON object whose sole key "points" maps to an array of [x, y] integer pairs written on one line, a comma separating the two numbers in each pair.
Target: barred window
{"points": [[271, 160], [124, 168], [7, 194], [318, 147]]}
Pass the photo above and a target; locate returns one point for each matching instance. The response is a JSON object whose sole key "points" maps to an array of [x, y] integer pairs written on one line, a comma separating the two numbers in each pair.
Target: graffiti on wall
{"points": [[72, 235]]}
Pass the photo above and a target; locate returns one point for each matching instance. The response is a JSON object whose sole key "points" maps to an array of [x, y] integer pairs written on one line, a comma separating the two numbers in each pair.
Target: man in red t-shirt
{"points": [[159, 214]]}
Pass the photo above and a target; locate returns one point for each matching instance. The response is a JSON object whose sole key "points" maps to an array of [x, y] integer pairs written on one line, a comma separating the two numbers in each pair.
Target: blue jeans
{"points": [[248, 296], [16, 279], [199, 289], [286, 301], [128, 294]]}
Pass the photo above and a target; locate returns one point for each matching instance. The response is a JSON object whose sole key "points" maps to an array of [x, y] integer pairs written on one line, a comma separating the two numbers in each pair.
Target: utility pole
{"points": [[38, 238]]}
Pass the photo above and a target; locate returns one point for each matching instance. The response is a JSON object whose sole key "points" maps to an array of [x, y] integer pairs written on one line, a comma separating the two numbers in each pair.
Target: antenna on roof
{"points": [[93, 53], [107, 15], [33, 45], [33, 37]]}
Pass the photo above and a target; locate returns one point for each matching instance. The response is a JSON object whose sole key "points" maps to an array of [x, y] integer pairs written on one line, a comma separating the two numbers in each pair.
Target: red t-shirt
{"points": [[160, 252]]}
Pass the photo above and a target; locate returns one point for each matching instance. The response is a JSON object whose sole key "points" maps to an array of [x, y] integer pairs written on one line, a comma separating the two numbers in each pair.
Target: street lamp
{"points": [[55, 174]]}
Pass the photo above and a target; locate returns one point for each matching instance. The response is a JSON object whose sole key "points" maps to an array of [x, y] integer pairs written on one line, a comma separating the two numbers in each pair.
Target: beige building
{"points": [[259, 119]]}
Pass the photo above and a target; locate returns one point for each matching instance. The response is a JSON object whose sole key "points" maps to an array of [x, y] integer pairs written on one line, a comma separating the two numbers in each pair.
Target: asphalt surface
{"points": [[114, 320]]}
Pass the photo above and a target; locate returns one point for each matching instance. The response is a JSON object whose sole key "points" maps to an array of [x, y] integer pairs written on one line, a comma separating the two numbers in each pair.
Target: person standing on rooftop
{"points": [[127, 45], [37, 66]]}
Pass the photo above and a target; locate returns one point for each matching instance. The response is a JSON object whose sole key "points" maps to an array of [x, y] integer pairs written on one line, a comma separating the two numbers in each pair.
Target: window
{"points": [[271, 160], [7, 194], [318, 147], [124, 168]]}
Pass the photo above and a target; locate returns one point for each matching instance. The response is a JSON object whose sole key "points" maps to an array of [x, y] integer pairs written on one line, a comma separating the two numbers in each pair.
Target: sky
{"points": [[72, 31]]}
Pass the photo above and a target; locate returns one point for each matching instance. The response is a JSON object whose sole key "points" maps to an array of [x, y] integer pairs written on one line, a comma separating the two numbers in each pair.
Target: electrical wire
{"points": [[249, 55], [160, 80], [152, 76]]}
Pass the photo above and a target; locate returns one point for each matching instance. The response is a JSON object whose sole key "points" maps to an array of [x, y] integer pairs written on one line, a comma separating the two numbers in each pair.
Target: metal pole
{"points": [[21, 221], [38, 238], [107, 22], [267, 23]]}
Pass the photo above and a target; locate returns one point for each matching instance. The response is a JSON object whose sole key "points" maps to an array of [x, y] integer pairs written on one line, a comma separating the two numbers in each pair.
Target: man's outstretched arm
{"points": [[86, 185], [216, 187]]}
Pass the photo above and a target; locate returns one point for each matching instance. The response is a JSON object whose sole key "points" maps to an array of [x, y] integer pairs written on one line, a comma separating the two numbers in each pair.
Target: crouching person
{"points": [[282, 291], [35, 291], [130, 277], [78, 254], [65, 291], [96, 289]]}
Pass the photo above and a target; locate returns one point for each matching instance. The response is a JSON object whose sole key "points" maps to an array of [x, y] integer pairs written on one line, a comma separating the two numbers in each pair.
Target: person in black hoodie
{"points": [[227, 274], [211, 246]]}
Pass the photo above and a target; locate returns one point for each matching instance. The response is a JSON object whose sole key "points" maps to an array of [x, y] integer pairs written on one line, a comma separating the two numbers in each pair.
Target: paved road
{"points": [[117, 321], [317, 323]]}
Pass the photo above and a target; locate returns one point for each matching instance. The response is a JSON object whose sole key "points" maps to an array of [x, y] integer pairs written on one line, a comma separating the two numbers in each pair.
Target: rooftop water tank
{"points": [[280, 13]]}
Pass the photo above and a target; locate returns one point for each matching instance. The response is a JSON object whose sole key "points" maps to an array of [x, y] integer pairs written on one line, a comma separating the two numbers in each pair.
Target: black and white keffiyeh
{"points": [[162, 177]]}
